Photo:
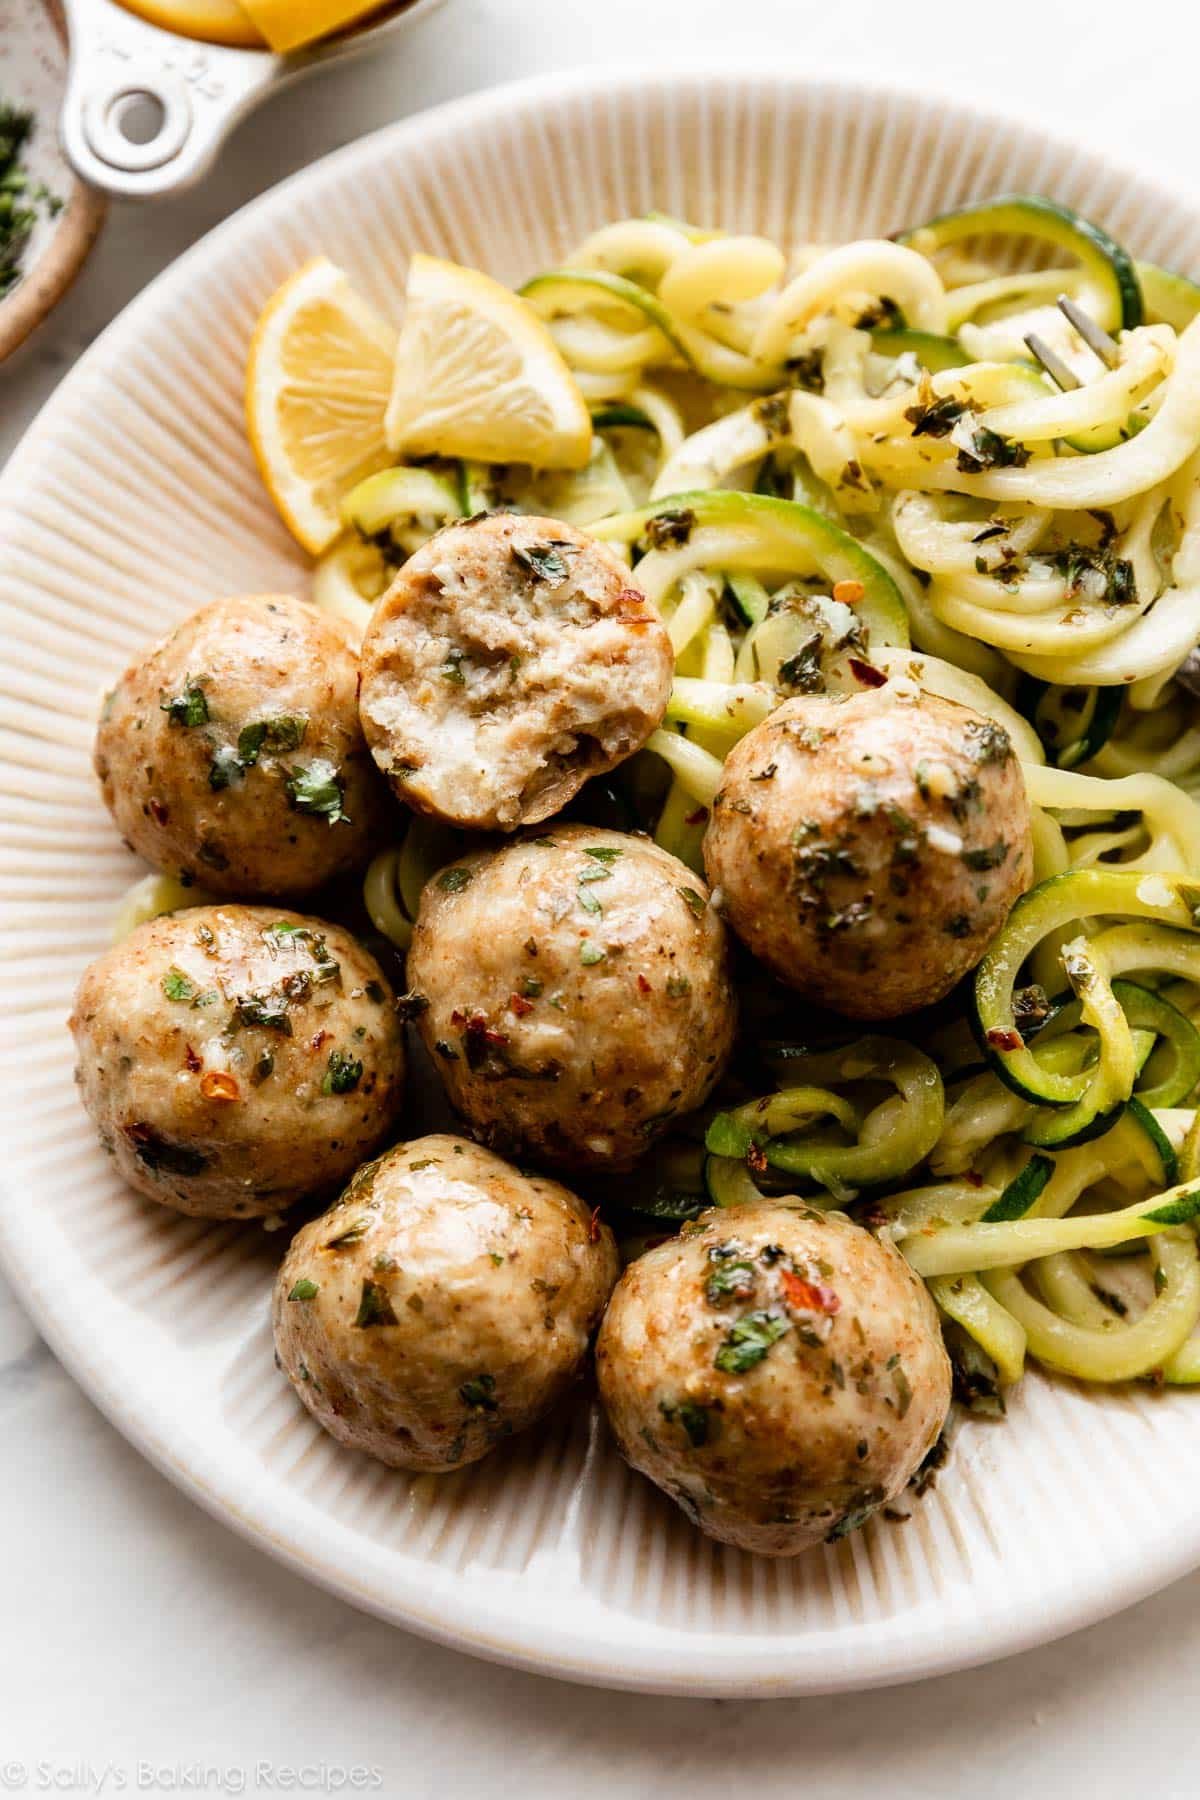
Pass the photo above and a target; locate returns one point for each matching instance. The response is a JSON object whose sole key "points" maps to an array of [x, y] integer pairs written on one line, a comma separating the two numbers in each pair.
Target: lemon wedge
{"points": [[317, 385], [286, 24], [216, 21], [479, 376]]}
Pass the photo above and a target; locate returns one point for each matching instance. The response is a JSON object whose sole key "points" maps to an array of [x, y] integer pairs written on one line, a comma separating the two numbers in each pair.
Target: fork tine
{"points": [[1106, 348], [1055, 367]]}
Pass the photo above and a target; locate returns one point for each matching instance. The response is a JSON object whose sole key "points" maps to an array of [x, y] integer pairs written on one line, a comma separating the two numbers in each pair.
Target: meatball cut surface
{"points": [[511, 659], [779, 1372], [231, 754], [868, 849], [576, 993], [235, 1058], [444, 1303]]}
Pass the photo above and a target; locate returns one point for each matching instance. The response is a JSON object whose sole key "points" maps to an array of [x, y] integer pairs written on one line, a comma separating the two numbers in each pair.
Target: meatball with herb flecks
{"points": [[445, 1302], [511, 658], [867, 849], [778, 1371], [231, 754], [236, 1058], [574, 990]]}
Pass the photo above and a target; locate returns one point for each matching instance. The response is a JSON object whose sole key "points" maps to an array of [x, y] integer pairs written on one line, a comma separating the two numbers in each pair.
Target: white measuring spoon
{"points": [[146, 110]]}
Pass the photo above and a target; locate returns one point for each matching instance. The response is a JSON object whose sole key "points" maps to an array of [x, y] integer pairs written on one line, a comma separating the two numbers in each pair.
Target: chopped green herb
{"points": [[692, 1417], [452, 669], [453, 881], [304, 1289], [729, 1281], [343, 1074], [284, 733], [225, 768], [189, 707], [602, 853], [545, 562], [748, 1342], [669, 528], [678, 986], [374, 1307], [176, 986], [478, 1392], [589, 954], [694, 901], [588, 900], [318, 789]]}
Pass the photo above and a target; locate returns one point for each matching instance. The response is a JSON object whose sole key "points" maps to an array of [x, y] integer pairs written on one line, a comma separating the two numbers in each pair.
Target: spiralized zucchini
{"points": [[817, 458]]}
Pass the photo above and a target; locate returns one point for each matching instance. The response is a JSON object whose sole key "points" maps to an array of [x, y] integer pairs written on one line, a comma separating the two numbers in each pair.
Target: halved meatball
{"points": [[511, 659], [868, 849], [444, 1303], [231, 753], [778, 1371], [236, 1058], [576, 993]]}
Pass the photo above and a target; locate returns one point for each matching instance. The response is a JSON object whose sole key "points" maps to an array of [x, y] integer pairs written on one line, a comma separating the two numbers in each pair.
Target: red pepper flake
{"points": [[594, 1226], [698, 817], [972, 1179], [643, 985], [866, 674], [478, 1027], [158, 812], [191, 1061], [216, 1085], [756, 1159], [518, 1004], [630, 607], [1005, 1040], [457, 1017], [808, 1296], [848, 592]]}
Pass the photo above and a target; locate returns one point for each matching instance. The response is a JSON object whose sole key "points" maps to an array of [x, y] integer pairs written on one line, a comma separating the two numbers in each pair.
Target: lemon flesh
{"points": [[287, 24], [215, 21], [317, 385], [479, 376]]}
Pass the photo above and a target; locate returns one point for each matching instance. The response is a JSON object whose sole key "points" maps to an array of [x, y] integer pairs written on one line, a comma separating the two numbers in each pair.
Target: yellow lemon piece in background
{"points": [[216, 21], [479, 376], [287, 24], [317, 385]]}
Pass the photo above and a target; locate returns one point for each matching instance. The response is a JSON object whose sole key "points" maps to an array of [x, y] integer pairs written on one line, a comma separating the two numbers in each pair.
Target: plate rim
{"points": [[707, 1665]]}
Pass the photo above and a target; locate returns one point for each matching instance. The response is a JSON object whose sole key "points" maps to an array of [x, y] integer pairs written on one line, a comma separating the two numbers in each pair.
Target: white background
{"points": [[136, 1630]]}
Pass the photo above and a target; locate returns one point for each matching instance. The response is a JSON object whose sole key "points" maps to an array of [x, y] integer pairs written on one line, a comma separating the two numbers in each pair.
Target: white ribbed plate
{"points": [[132, 500]]}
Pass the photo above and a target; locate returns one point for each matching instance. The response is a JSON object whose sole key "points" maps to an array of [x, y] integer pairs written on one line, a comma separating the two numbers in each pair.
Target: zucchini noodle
{"points": [[816, 459]]}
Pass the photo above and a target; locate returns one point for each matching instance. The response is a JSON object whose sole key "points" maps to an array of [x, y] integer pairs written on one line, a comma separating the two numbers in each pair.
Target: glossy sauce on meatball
{"points": [[235, 1058], [778, 1371], [868, 849], [445, 1302], [231, 754], [575, 993], [511, 659]]}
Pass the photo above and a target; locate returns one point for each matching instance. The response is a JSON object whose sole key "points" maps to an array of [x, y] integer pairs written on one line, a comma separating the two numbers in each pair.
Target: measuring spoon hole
{"points": [[138, 116]]}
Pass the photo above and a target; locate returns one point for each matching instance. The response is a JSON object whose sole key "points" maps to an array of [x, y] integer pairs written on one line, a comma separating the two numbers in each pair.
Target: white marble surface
{"points": [[145, 1648]]}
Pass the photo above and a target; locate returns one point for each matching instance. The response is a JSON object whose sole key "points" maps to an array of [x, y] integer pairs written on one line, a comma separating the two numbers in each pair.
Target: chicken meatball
{"points": [[235, 1058], [575, 993], [444, 1303], [779, 1372], [511, 659], [231, 754], [867, 849]]}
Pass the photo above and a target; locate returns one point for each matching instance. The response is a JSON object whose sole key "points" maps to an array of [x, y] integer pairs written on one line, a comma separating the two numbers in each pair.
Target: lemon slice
{"points": [[216, 21], [286, 24], [479, 376], [317, 384]]}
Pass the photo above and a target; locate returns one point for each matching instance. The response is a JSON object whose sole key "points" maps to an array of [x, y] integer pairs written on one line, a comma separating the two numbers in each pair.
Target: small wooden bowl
{"points": [[33, 75]]}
